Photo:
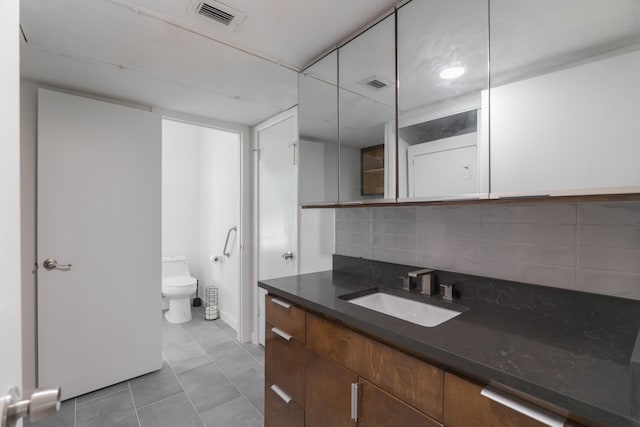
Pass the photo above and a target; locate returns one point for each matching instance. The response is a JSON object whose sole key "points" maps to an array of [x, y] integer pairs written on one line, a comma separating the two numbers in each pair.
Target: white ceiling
{"points": [[158, 53]]}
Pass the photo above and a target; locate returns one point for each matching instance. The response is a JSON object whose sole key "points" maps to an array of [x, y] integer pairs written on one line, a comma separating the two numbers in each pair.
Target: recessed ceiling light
{"points": [[452, 73]]}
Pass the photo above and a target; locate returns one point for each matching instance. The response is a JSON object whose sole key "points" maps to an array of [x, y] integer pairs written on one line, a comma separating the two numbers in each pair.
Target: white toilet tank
{"points": [[175, 266]]}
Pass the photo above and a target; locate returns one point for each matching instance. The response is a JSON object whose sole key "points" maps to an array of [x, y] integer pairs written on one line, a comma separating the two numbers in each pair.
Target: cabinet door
{"points": [[327, 392], [564, 120], [380, 409], [465, 406]]}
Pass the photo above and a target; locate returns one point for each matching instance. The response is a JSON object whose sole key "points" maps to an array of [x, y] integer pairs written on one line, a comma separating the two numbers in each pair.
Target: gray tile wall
{"points": [[593, 247]]}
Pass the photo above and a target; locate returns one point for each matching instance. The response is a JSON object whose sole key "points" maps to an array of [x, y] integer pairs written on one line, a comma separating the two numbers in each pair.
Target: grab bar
{"points": [[226, 242]]}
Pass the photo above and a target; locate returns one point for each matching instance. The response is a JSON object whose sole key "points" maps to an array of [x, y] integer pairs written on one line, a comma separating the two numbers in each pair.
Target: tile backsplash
{"points": [[593, 247]]}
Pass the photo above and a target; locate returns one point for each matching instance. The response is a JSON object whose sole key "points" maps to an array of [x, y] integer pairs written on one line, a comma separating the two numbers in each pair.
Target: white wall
{"points": [[201, 201], [10, 307], [181, 191], [317, 240], [219, 195]]}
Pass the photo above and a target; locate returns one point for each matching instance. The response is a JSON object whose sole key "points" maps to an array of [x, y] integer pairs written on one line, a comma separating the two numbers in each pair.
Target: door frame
{"points": [[255, 151], [245, 317], [11, 312]]}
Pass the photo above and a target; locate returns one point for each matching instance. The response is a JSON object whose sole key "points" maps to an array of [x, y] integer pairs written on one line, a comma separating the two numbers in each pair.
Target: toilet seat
{"points": [[179, 286], [179, 281]]}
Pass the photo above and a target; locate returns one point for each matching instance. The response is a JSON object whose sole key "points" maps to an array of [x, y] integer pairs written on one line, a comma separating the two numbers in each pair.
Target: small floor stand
{"points": [[211, 301], [197, 302]]}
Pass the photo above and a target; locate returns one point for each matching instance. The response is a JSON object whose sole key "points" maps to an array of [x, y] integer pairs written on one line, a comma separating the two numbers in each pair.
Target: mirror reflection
{"points": [[442, 102], [318, 122], [367, 114], [565, 97]]}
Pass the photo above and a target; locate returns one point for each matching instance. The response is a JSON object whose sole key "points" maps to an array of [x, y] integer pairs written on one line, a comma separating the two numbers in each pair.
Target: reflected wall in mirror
{"points": [[443, 146], [367, 100], [565, 97], [318, 122]]}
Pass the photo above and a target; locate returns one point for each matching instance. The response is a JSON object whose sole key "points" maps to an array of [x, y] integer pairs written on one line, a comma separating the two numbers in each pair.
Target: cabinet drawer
{"points": [[465, 406], [415, 382], [284, 364], [380, 409], [278, 413], [286, 317]]}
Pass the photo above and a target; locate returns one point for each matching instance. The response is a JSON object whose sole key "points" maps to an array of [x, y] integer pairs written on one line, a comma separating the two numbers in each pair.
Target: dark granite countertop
{"points": [[568, 348]]}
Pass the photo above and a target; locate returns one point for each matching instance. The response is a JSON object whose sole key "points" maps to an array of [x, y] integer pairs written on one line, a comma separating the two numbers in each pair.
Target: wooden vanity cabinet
{"points": [[413, 381], [317, 366]]}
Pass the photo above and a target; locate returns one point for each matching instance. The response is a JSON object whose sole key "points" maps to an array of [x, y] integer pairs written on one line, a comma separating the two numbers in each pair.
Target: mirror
{"points": [[443, 58], [318, 122], [367, 99], [565, 97]]}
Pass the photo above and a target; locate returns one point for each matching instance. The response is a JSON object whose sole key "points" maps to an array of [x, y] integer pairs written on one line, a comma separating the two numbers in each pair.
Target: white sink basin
{"points": [[412, 311]]}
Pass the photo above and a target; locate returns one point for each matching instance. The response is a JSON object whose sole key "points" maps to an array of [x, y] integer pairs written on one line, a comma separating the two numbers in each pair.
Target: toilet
{"points": [[177, 286]]}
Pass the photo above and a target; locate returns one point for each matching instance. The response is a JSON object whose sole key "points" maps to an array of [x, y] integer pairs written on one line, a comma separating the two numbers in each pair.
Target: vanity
{"points": [[516, 355]]}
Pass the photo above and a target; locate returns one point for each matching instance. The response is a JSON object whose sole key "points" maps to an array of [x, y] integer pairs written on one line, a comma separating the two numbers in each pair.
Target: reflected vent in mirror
{"points": [[376, 82], [220, 13]]}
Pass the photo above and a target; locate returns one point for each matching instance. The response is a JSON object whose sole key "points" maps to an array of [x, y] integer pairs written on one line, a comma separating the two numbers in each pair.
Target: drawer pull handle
{"points": [[281, 303], [282, 334], [545, 417], [281, 394]]}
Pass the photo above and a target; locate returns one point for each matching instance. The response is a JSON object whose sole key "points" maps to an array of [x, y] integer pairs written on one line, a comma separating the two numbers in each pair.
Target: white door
{"points": [[10, 320], [99, 190], [276, 141]]}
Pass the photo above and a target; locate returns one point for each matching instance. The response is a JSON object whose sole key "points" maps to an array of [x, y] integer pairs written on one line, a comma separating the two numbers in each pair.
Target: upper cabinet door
{"points": [[367, 110], [318, 116], [443, 147], [565, 97]]}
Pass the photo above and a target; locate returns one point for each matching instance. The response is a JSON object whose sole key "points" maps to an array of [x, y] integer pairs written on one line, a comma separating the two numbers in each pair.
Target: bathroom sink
{"points": [[419, 312]]}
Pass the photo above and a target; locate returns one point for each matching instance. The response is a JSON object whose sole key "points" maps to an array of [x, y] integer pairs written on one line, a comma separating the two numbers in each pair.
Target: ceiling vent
{"points": [[376, 82], [219, 13]]}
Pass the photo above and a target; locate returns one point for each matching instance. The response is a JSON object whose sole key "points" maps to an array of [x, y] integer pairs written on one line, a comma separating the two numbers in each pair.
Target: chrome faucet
{"points": [[422, 280]]}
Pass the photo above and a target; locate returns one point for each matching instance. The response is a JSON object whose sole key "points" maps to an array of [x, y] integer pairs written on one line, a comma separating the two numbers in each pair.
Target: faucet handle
{"points": [[405, 282], [448, 292]]}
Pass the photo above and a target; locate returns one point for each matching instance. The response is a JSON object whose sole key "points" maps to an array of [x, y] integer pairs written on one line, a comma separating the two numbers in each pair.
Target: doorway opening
{"points": [[201, 209]]}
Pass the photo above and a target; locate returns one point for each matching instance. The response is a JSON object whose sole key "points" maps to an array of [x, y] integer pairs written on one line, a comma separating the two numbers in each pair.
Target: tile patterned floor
{"points": [[208, 379]]}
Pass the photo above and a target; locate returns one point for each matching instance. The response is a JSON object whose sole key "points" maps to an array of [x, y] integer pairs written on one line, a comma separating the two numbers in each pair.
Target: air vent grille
{"points": [[212, 10], [214, 13], [375, 82]]}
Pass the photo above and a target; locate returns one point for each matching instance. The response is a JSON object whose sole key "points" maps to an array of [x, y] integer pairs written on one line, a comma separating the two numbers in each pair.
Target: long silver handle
{"points": [[52, 264], [43, 402], [354, 401], [226, 242], [281, 303], [287, 255], [525, 408], [282, 334], [281, 394]]}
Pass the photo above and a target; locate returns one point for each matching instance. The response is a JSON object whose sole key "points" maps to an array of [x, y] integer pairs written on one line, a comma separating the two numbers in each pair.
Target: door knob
{"points": [[52, 264], [287, 255], [43, 402]]}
